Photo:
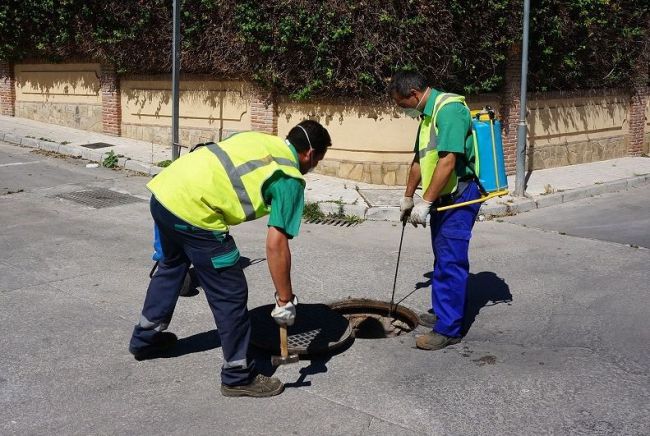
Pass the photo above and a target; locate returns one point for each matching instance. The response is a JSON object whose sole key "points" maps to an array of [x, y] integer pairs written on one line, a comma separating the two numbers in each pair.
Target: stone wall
{"points": [[567, 128], [209, 110], [371, 143], [79, 116], [63, 94], [163, 134]]}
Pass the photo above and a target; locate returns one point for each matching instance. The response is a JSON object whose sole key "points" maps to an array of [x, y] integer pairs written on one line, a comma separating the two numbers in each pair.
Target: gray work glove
{"points": [[405, 207], [419, 213], [285, 315]]}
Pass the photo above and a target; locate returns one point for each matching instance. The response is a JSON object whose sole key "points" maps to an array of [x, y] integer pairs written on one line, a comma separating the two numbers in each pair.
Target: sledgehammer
{"points": [[284, 358]]}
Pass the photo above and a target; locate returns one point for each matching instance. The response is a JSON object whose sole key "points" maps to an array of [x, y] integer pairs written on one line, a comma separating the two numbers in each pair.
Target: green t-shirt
{"points": [[454, 132], [286, 196]]}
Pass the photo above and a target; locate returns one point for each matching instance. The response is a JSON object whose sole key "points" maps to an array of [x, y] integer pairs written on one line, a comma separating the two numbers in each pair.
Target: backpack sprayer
{"points": [[489, 166]]}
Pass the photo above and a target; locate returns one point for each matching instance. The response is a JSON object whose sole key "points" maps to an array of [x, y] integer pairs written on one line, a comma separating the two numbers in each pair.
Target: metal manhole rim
{"points": [[376, 307]]}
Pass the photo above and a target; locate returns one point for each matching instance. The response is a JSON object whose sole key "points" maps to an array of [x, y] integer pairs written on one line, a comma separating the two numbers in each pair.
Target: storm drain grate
{"points": [[97, 145], [332, 222], [100, 198]]}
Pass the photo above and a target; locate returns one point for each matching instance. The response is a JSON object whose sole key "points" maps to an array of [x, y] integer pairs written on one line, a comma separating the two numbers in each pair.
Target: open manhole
{"points": [[318, 330], [369, 319]]}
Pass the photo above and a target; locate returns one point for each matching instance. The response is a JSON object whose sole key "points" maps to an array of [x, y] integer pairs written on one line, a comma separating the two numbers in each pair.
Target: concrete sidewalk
{"points": [[544, 188]]}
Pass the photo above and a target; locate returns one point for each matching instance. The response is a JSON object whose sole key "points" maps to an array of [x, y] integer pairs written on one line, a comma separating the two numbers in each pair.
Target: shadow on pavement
{"points": [[193, 344], [483, 289], [317, 364], [245, 262]]}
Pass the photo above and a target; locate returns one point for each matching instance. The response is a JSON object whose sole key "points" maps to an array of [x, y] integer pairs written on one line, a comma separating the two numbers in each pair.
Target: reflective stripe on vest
{"points": [[235, 180], [428, 143], [221, 184]]}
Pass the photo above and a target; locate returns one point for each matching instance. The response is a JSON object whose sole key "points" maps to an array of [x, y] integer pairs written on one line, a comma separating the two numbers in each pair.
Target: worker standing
{"points": [[195, 201], [444, 155]]}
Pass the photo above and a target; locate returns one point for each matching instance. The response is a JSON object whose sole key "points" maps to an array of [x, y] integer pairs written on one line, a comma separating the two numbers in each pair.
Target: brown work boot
{"points": [[434, 341], [261, 386], [427, 319]]}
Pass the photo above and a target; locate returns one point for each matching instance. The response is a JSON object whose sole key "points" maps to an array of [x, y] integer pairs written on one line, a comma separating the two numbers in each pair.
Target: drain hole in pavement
{"points": [[369, 318]]}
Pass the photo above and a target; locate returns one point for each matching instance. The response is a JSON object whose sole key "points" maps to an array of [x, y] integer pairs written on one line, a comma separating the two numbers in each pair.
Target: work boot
{"points": [[434, 341], [261, 386], [427, 319], [162, 341]]}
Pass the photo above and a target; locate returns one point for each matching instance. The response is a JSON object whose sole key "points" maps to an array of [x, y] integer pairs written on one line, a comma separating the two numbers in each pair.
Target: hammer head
{"points": [[280, 360]]}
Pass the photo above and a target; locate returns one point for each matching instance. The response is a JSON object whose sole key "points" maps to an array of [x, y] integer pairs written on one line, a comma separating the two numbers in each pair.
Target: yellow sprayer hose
{"points": [[478, 200]]}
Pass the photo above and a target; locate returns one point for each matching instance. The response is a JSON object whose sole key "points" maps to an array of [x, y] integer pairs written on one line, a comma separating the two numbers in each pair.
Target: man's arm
{"points": [[278, 257], [414, 177], [441, 175]]}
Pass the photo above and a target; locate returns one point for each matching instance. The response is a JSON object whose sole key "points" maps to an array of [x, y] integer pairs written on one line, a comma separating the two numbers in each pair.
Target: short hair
{"points": [[403, 81], [318, 136]]}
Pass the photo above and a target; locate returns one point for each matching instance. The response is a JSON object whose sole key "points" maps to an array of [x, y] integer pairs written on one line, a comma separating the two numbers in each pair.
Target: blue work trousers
{"points": [[451, 231], [216, 261]]}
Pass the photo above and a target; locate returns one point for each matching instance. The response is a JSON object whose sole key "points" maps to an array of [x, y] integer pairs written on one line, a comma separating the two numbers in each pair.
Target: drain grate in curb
{"points": [[99, 198], [332, 222], [97, 145]]}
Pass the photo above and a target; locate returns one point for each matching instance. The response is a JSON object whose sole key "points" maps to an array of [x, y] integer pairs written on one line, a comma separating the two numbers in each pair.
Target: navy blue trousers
{"points": [[216, 261], [451, 232]]}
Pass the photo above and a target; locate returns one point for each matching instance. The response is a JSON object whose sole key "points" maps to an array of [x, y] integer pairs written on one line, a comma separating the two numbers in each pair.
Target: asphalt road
{"points": [[622, 217], [558, 340]]}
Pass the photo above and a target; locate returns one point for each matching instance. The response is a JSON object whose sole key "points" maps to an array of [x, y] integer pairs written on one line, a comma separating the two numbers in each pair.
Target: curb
{"points": [[78, 151], [500, 209]]}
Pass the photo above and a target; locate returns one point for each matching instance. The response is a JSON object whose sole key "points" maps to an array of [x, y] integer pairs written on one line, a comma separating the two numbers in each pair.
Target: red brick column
{"points": [[638, 101], [111, 102], [264, 117], [510, 107], [7, 89]]}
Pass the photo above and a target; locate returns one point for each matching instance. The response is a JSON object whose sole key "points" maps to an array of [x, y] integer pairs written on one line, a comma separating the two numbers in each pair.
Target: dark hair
{"points": [[402, 83], [318, 135]]}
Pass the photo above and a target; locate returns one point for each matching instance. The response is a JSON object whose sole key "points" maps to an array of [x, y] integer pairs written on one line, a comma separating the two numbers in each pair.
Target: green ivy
{"points": [[342, 48]]}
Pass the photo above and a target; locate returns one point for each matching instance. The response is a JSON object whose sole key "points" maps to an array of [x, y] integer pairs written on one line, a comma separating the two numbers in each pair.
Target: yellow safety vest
{"points": [[221, 184], [428, 143]]}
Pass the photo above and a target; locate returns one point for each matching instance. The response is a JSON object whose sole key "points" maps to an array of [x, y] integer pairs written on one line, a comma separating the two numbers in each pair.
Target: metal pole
{"points": [[520, 177], [176, 61]]}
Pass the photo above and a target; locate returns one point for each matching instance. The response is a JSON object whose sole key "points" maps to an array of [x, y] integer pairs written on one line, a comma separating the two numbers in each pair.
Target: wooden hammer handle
{"points": [[284, 345]]}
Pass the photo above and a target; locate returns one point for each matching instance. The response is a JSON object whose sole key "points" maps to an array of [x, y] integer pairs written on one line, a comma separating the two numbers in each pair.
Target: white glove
{"points": [[419, 213], [285, 315], [405, 206]]}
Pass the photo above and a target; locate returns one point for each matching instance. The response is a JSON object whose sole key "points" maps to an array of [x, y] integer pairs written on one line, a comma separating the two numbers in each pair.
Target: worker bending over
{"points": [[195, 201]]}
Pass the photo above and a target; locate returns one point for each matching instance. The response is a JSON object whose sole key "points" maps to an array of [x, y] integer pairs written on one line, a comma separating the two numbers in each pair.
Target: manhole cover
{"points": [[369, 319], [317, 330], [97, 145], [99, 198]]}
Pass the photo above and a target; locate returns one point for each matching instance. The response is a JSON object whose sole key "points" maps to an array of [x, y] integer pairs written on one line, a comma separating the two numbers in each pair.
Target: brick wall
{"points": [[638, 101], [111, 104], [7, 89], [264, 114], [510, 106]]}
